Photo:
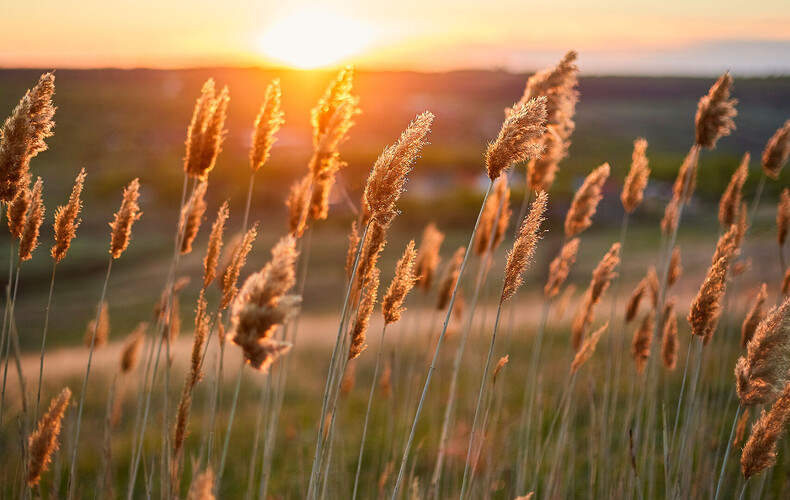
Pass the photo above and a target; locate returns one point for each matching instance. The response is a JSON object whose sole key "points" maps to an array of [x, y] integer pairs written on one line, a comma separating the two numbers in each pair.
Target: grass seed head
{"points": [[66, 221], [715, 112], [777, 151], [43, 442]]}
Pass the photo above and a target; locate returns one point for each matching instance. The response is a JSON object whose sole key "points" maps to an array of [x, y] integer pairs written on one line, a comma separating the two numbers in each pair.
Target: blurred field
{"points": [[121, 124]]}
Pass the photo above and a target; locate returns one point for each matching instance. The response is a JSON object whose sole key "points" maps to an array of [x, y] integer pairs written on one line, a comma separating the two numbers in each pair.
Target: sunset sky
{"points": [[612, 36]]}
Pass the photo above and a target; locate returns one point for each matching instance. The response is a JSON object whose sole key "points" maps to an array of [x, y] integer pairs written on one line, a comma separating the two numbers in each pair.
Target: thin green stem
{"points": [[44, 341], [464, 483], [72, 483], [367, 413], [727, 451], [229, 428], [335, 351]]}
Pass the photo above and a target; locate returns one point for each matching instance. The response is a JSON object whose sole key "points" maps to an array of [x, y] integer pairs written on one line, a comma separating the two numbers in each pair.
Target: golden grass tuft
{"points": [[102, 330], [495, 218], [715, 112], [519, 137], [124, 218], [387, 178], [214, 248], [28, 241], [730, 202], [643, 337], [66, 221], [783, 217], [755, 315], [130, 355], [17, 209], [706, 307], [585, 201], [206, 131], [558, 85], [523, 249], [449, 278], [560, 267], [262, 305], [759, 452], [402, 283], [762, 374], [669, 339], [428, 256], [267, 123], [230, 276], [22, 136], [636, 180], [587, 348], [602, 277], [297, 204], [687, 169], [777, 151], [43, 442], [202, 487], [364, 313], [192, 217]]}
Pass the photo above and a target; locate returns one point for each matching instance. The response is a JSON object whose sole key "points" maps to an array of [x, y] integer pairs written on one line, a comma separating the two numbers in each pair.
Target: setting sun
{"points": [[314, 38]]}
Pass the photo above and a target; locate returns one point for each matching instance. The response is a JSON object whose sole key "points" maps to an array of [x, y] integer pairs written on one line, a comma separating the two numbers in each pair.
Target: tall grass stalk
{"points": [[137, 450], [72, 482], [727, 451], [44, 340], [367, 413], [482, 271], [465, 480], [432, 368], [335, 351], [229, 429]]}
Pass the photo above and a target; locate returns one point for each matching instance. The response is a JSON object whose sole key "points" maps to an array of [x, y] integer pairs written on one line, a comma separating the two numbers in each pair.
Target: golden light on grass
{"points": [[313, 38]]}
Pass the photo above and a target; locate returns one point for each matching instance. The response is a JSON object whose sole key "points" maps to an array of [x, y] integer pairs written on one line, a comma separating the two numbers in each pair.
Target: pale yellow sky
{"points": [[616, 36]]}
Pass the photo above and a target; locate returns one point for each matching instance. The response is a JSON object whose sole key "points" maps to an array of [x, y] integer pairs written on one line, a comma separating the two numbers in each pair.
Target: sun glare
{"points": [[309, 39]]}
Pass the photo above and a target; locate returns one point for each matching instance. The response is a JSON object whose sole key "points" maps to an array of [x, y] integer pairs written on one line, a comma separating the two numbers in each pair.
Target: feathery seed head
{"points": [[669, 340], [763, 373], [297, 203], [98, 333], [715, 112], [365, 311], [33, 219], [267, 123], [585, 201], [43, 442], [519, 137], [237, 260], [523, 249], [755, 315], [783, 216], [192, 216], [428, 256], [449, 279], [587, 348], [124, 218], [776, 151], [687, 174], [759, 453], [17, 209], [730, 201], [636, 181], [389, 174], [262, 305], [131, 349], [66, 221], [214, 245], [560, 267], [22, 136], [206, 132], [495, 218], [643, 337], [402, 283]]}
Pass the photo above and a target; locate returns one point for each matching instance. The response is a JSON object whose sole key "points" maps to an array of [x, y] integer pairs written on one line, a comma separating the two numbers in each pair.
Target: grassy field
{"points": [[575, 442]]}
